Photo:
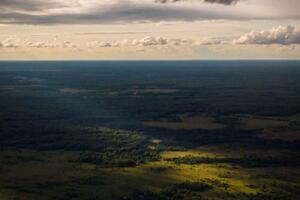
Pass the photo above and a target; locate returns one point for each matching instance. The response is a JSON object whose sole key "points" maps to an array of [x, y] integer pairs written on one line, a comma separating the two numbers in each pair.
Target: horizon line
{"points": [[141, 60]]}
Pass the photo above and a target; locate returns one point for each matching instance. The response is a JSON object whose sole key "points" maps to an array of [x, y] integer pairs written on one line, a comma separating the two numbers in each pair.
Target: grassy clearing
{"points": [[295, 117], [292, 118], [223, 178], [273, 128], [73, 90], [187, 123], [254, 123], [154, 91], [285, 135], [145, 91]]}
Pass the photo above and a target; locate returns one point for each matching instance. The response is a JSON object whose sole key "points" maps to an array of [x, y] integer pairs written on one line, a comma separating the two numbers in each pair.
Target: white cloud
{"points": [[103, 44], [158, 40], [10, 43], [213, 41], [284, 35], [281, 35], [181, 41], [68, 44], [151, 41], [145, 42]]}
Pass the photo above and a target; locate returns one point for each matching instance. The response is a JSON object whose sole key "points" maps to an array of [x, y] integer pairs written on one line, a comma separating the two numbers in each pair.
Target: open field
{"points": [[187, 123], [285, 135], [73, 90], [253, 123]]}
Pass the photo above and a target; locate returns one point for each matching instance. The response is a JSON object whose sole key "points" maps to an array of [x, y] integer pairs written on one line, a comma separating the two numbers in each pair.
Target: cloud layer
{"points": [[281, 35], [226, 2], [18, 43], [284, 35], [128, 11]]}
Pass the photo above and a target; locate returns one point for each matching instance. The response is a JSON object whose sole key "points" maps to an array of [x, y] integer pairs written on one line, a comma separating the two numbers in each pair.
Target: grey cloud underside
{"points": [[36, 12], [225, 2], [28, 5], [112, 33], [121, 14], [117, 14]]}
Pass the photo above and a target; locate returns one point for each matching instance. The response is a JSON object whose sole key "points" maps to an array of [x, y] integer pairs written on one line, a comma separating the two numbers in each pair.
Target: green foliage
{"points": [[183, 191], [53, 144]]}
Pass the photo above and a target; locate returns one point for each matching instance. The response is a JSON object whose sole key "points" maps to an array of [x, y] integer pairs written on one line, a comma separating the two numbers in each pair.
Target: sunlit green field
{"points": [[29, 174]]}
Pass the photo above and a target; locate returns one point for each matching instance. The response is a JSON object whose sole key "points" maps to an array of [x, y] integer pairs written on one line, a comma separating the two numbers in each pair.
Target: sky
{"points": [[149, 29]]}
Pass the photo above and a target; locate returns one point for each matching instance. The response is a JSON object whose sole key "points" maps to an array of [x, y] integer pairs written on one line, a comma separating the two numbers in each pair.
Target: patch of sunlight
{"points": [[192, 153], [168, 172]]}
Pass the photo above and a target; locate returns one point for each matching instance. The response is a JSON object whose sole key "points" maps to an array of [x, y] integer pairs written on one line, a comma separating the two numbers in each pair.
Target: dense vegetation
{"points": [[66, 125]]}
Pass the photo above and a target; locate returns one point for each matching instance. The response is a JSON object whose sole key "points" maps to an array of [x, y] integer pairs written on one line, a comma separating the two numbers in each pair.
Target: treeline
{"points": [[182, 191], [115, 148]]}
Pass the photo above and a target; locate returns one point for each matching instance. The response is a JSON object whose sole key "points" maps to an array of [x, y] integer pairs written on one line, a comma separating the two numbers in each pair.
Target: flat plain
{"points": [[139, 130]]}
